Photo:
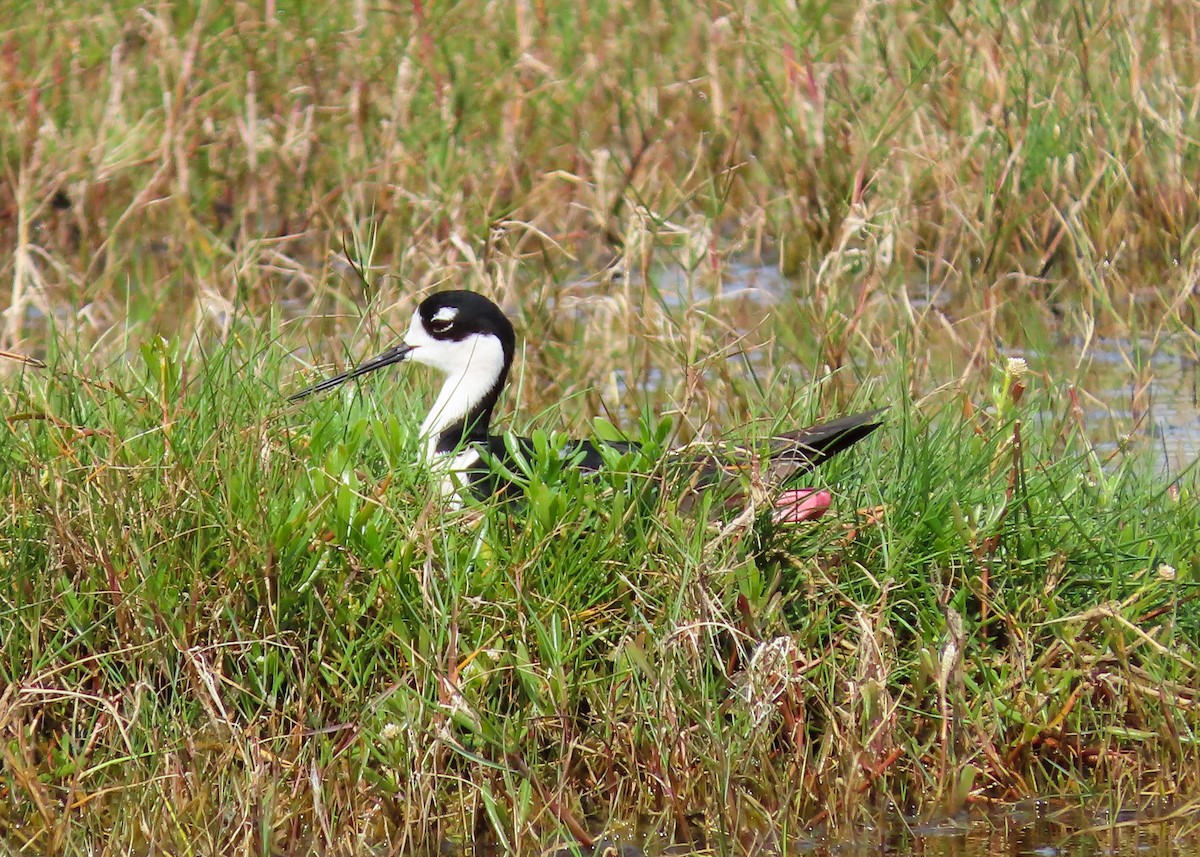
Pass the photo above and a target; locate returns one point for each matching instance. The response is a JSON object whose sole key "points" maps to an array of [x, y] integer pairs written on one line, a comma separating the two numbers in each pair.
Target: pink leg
{"points": [[801, 504]]}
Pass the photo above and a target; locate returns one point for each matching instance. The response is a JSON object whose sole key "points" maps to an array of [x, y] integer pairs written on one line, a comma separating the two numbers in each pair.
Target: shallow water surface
{"points": [[1033, 828], [1148, 391], [1042, 828], [1166, 408]]}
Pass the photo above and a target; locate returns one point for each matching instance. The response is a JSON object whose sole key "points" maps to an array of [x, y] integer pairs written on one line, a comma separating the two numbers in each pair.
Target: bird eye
{"points": [[440, 325]]}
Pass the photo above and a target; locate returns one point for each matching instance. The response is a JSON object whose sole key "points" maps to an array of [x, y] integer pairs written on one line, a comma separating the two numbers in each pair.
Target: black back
{"points": [[788, 456]]}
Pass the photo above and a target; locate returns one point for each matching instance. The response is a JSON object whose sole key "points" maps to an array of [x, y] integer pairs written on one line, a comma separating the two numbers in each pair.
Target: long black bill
{"points": [[396, 354]]}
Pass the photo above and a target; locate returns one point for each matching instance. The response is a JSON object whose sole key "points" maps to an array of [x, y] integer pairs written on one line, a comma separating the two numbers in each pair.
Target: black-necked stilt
{"points": [[472, 342]]}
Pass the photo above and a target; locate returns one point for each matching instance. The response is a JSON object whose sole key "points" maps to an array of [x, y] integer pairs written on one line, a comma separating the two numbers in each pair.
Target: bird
{"points": [[468, 338]]}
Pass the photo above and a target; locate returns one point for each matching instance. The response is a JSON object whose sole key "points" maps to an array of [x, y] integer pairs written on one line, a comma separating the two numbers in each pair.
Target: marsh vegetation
{"points": [[231, 625]]}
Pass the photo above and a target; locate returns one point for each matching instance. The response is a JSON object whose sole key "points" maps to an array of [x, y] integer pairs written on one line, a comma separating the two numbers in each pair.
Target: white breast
{"points": [[453, 470]]}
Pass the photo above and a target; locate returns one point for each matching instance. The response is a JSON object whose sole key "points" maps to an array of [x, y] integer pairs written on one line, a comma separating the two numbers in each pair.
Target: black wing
{"points": [[798, 452]]}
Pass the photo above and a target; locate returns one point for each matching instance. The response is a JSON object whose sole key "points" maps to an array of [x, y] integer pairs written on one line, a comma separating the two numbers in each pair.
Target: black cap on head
{"points": [[457, 314]]}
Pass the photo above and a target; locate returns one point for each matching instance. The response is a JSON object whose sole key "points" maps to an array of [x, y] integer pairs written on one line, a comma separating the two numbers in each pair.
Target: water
{"points": [[1159, 404], [1043, 828], [1034, 827], [1167, 410]]}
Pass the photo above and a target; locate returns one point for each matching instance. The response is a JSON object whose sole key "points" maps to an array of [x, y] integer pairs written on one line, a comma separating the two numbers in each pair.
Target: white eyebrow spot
{"points": [[446, 313]]}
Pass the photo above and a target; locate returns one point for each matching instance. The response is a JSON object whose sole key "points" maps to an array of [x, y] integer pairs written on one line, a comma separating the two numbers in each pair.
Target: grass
{"points": [[233, 625]]}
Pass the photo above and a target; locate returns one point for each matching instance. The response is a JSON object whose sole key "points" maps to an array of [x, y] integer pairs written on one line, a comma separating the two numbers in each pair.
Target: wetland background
{"points": [[231, 626]]}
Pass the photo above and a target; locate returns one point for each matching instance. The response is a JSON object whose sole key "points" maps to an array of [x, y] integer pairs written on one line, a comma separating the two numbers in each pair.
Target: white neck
{"points": [[468, 380]]}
